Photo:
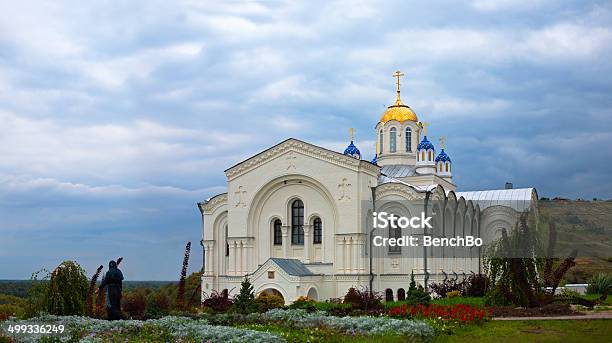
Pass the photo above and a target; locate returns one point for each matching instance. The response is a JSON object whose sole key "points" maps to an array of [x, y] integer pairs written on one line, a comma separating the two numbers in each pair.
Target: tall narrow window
{"points": [[381, 142], [317, 226], [278, 233], [395, 233], [393, 139], [429, 155], [408, 139], [446, 166], [226, 243], [297, 222], [422, 155]]}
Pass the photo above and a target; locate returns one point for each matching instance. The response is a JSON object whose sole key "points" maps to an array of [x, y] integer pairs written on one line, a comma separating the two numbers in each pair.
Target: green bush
{"points": [[330, 306], [416, 294], [600, 284], [245, 300], [304, 303], [67, 290], [495, 297], [266, 301], [158, 305]]}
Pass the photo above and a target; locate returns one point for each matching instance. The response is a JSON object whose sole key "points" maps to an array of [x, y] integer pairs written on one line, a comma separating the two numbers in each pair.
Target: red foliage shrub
{"points": [[363, 299], [134, 304], [218, 302], [476, 285], [460, 312]]}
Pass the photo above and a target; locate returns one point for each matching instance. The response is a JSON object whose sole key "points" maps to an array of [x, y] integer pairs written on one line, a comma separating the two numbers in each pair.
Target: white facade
{"points": [[331, 191]]}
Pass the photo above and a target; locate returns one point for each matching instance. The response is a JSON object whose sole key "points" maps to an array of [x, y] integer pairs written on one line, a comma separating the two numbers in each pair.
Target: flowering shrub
{"points": [[364, 325], [83, 329], [460, 312], [446, 286], [453, 294]]}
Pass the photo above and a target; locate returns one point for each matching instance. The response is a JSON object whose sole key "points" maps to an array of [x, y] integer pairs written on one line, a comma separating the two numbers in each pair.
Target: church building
{"points": [[296, 218]]}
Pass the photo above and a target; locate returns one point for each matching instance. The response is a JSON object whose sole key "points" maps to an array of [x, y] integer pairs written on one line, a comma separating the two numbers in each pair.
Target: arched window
{"points": [[393, 139], [297, 222], [395, 233], [317, 226], [429, 155], [401, 294], [381, 141], [446, 166], [226, 243], [388, 294], [408, 139], [278, 233], [423, 156]]}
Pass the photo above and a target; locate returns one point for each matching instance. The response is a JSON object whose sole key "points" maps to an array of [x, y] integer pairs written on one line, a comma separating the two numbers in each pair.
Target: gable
{"points": [[302, 148]]}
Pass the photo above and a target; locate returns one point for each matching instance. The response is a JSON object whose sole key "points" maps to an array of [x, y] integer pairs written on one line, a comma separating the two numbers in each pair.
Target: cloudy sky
{"points": [[115, 119]]}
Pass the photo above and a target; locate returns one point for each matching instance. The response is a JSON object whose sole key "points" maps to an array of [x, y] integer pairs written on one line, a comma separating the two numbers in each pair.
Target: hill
{"points": [[19, 288], [586, 226]]}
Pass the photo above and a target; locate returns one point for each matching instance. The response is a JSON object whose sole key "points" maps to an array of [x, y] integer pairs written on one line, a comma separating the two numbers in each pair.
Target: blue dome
{"points": [[442, 156], [425, 144], [352, 151], [375, 159]]}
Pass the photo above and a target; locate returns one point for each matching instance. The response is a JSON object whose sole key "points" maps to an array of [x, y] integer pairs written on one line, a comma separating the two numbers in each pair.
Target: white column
{"points": [[356, 255], [344, 267], [243, 250], [286, 242], [360, 255], [231, 270], [307, 243], [206, 258]]}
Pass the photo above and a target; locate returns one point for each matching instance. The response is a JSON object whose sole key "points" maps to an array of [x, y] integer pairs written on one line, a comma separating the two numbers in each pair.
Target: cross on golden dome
{"points": [[398, 111], [398, 74]]}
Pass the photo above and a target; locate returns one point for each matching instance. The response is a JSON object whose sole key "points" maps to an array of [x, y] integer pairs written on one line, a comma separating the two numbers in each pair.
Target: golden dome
{"points": [[398, 111]]}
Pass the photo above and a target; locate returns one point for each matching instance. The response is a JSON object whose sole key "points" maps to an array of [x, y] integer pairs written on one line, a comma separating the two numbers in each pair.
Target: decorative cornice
{"points": [[211, 205], [398, 188], [303, 148]]}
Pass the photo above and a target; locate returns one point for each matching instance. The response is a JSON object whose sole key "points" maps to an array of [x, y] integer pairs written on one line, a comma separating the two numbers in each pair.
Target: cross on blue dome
{"points": [[425, 144], [442, 156], [352, 151]]}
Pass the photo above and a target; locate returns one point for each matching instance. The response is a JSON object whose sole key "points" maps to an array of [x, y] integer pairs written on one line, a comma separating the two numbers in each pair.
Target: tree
{"points": [[245, 300], [67, 290], [517, 275], [416, 294]]}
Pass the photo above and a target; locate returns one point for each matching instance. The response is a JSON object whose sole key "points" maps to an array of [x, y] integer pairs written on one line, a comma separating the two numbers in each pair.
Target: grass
{"points": [[474, 301], [533, 331]]}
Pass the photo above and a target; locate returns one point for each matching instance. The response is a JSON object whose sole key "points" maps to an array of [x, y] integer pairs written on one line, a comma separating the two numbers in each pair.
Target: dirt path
{"points": [[587, 315]]}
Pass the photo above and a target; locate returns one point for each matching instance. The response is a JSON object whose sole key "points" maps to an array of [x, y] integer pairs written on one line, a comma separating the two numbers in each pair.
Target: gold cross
{"points": [[424, 126], [442, 142], [398, 74], [352, 133]]}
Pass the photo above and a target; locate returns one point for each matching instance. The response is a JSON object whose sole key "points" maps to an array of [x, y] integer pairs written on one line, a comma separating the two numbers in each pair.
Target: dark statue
{"points": [[113, 281]]}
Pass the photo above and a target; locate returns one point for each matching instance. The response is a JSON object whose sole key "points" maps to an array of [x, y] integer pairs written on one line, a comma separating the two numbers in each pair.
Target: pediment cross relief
{"points": [[240, 197]]}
